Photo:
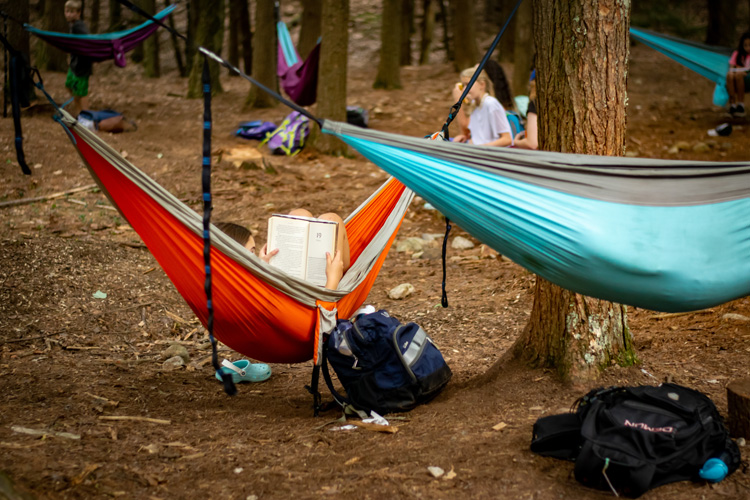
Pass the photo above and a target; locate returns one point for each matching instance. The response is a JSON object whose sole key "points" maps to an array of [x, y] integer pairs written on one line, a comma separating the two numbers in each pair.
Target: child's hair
{"points": [[483, 77], [238, 233], [741, 54], [73, 5], [532, 86], [500, 84]]}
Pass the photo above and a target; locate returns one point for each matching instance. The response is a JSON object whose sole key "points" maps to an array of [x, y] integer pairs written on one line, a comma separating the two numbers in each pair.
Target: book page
{"points": [[321, 239], [289, 235]]}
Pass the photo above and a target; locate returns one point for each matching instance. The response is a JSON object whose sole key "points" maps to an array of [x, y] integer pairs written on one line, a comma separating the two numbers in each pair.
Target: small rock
{"points": [[673, 150], [461, 243], [435, 471], [632, 154], [682, 145], [173, 363], [487, 253], [401, 291], [176, 350], [735, 317], [410, 245], [432, 236], [701, 147], [725, 145], [431, 253], [741, 441]]}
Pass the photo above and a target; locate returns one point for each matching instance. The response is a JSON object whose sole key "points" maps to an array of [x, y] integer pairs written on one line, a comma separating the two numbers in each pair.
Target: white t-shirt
{"points": [[488, 121]]}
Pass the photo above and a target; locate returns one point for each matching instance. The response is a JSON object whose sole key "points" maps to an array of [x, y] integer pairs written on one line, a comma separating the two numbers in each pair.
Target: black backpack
{"points": [[631, 439], [384, 365]]}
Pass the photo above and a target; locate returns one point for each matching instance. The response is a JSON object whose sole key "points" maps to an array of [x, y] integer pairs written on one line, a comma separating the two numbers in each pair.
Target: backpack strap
{"points": [[345, 403], [557, 436]]}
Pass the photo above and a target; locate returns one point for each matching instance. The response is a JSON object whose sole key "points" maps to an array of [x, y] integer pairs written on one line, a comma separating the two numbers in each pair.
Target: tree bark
{"points": [[332, 73], [115, 16], [428, 30], [738, 403], [722, 23], [506, 47], [264, 56], [233, 51], [246, 36], [151, 67], [175, 44], [193, 17], [466, 51], [310, 30], [581, 83], [95, 16], [19, 40], [407, 29], [523, 55], [47, 57], [209, 34], [389, 71]]}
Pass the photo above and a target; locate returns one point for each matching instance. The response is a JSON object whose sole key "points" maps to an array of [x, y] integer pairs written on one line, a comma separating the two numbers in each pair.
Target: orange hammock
{"points": [[258, 310]]}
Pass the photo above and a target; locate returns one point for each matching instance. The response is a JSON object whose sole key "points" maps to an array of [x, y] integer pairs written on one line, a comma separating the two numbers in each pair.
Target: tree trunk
{"points": [[193, 17], [722, 23], [116, 21], [151, 67], [264, 56], [466, 51], [333, 68], [209, 34], [18, 39], [581, 100], [310, 30], [175, 44], [428, 29], [47, 57], [246, 37], [507, 45], [95, 16], [137, 54], [407, 29], [523, 56], [389, 71], [233, 51]]}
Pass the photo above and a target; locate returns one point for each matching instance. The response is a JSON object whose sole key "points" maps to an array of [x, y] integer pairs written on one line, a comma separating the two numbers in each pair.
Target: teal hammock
{"points": [[659, 234], [709, 61]]}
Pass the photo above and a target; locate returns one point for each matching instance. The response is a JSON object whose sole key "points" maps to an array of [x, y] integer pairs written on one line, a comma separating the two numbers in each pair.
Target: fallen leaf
{"points": [[500, 426], [351, 461], [450, 475]]}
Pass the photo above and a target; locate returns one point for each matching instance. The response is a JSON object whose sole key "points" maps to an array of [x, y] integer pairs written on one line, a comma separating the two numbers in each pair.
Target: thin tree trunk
{"points": [[428, 29], [193, 17], [581, 101], [333, 67], [176, 44], [246, 36], [19, 40], [464, 32], [389, 72], [523, 56], [449, 53], [115, 16], [506, 47], [722, 23], [264, 55], [95, 16], [47, 57], [151, 67], [209, 34], [407, 29], [310, 30]]}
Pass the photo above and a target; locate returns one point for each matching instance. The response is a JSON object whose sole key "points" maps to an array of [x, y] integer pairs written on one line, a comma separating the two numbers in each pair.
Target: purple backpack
{"points": [[256, 129], [289, 138]]}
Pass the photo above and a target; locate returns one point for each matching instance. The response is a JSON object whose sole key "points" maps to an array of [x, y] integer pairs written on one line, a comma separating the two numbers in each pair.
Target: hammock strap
{"points": [[444, 297], [226, 64], [226, 378], [456, 107]]}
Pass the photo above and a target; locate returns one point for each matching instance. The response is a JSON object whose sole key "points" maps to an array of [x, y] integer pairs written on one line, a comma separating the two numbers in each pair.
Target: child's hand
{"points": [[457, 90], [460, 138], [265, 255], [520, 135], [334, 269]]}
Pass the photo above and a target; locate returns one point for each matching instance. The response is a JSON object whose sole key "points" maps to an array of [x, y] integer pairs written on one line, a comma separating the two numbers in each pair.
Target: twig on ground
{"points": [[41, 432], [32, 338], [25, 201], [137, 419], [674, 315]]}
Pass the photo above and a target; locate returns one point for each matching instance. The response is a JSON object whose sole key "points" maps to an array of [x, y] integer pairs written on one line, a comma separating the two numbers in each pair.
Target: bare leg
{"points": [[301, 212], [733, 87], [343, 238]]}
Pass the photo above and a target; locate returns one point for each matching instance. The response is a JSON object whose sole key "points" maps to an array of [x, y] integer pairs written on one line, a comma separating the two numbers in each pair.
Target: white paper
{"points": [[288, 236]]}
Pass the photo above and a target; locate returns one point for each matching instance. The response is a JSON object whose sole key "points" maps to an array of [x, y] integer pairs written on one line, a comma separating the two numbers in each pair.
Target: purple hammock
{"points": [[299, 79], [104, 46]]}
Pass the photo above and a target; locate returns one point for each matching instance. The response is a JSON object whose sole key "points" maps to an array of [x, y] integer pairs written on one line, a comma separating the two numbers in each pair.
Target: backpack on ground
{"points": [[106, 120], [289, 137], [516, 124], [632, 439], [256, 129], [384, 365], [357, 115]]}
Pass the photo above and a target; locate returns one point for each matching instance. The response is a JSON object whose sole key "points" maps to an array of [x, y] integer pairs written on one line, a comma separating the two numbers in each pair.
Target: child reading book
{"points": [[336, 264]]}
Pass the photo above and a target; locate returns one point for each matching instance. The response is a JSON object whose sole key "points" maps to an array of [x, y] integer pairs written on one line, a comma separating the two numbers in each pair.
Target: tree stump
{"points": [[738, 399]]}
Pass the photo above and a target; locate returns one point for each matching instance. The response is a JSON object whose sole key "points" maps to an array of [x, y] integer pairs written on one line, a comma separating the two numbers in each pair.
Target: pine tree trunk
{"points": [[465, 49], [151, 67], [507, 45], [115, 16], [407, 29], [428, 30], [233, 51], [332, 73], [47, 57], [246, 36], [193, 17], [310, 29], [209, 34], [19, 40], [175, 44], [389, 71], [581, 100], [523, 55], [722, 23], [264, 55]]}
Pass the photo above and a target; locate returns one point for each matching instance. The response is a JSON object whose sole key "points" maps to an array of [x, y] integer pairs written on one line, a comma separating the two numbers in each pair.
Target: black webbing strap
{"points": [[313, 389], [444, 297], [226, 64], [17, 67], [454, 109], [226, 378]]}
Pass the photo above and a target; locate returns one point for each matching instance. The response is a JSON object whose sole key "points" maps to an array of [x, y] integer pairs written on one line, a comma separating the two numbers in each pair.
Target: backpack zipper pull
{"points": [[604, 473]]}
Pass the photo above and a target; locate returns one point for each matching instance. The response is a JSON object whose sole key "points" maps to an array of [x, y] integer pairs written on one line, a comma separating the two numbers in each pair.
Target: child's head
{"points": [[483, 84], [744, 46], [73, 10], [240, 234]]}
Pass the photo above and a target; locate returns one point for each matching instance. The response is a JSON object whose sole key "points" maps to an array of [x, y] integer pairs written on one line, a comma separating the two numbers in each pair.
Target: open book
{"points": [[302, 243]]}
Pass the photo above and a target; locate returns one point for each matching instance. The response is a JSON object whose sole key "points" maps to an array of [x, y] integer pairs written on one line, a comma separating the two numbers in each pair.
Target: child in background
{"points": [[77, 81], [486, 124], [529, 139], [738, 78]]}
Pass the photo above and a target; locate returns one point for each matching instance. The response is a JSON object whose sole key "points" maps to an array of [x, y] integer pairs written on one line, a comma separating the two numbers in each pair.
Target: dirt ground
{"points": [[68, 360]]}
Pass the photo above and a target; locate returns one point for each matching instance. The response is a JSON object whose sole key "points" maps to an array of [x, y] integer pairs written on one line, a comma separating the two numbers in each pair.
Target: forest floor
{"points": [[68, 359]]}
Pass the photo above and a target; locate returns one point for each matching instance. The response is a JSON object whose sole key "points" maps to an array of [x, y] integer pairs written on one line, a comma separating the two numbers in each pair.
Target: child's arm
{"points": [[504, 140]]}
